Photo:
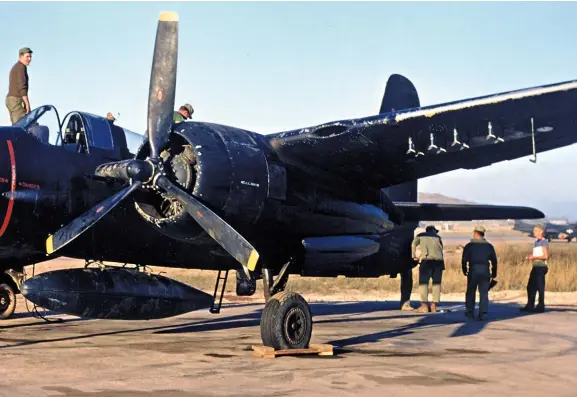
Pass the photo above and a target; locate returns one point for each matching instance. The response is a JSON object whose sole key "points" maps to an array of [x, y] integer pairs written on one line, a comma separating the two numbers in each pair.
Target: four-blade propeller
{"points": [[149, 173]]}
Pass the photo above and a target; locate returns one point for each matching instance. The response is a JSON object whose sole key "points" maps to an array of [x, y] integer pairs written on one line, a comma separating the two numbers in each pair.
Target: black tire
{"points": [[286, 322], [7, 301]]}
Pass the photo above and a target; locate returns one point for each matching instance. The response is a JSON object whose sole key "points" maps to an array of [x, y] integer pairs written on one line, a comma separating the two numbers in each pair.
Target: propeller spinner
{"points": [[149, 173]]}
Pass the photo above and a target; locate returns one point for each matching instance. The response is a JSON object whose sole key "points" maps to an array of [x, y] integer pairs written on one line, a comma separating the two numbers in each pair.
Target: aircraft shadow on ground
{"points": [[356, 312], [456, 315]]}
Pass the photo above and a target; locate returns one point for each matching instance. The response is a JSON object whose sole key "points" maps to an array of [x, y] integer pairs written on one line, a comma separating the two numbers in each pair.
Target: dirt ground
{"points": [[379, 349]]}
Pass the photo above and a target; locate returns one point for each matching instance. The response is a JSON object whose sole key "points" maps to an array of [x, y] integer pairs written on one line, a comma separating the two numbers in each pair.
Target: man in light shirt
{"points": [[536, 282]]}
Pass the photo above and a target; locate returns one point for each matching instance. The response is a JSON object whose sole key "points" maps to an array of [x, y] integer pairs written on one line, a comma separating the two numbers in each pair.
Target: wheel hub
{"points": [[4, 301], [295, 326]]}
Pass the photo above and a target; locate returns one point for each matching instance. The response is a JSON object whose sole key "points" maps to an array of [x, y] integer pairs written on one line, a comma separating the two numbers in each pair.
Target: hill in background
{"points": [[441, 199], [423, 197]]}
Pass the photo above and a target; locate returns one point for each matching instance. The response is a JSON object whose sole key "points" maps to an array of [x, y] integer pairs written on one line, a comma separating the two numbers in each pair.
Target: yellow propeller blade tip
{"points": [[168, 16], [49, 245], [252, 260]]}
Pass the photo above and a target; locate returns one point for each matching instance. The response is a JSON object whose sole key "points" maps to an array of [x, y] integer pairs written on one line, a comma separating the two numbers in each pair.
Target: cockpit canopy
{"points": [[80, 132]]}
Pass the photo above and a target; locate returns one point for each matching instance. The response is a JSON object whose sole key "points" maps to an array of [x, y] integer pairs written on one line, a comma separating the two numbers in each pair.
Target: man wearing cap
{"points": [[475, 262], [540, 268], [183, 113], [432, 266], [17, 98]]}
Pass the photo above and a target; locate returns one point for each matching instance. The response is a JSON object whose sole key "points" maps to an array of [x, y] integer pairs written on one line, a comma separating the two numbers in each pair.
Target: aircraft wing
{"points": [[400, 146]]}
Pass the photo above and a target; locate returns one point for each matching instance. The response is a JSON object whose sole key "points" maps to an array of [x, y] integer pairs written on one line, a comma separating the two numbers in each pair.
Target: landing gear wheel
{"points": [[7, 301], [286, 322]]}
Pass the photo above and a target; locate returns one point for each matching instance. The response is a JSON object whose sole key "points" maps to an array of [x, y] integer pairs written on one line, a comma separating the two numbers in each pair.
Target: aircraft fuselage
{"points": [[45, 186]]}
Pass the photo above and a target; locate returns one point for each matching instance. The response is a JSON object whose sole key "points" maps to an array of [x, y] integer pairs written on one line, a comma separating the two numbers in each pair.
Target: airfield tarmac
{"points": [[381, 351]]}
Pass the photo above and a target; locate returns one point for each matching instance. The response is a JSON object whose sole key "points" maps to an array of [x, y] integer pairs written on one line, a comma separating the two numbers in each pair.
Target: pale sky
{"points": [[275, 66]]}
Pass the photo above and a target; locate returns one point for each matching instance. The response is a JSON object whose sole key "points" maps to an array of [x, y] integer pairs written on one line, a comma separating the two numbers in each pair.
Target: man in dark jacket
{"points": [[475, 262], [17, 98]]}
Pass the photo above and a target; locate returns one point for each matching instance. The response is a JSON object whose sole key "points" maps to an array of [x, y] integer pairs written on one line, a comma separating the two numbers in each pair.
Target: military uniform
{"points": [[18, 89], [537, 277], [475, 262], [179, 117], [432, 266]]}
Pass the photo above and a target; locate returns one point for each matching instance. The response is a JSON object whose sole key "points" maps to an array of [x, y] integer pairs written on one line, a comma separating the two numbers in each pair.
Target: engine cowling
{"points": [[224, 167]]}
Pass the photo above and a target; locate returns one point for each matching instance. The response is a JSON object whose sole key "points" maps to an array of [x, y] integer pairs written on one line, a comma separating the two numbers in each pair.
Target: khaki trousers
{"points": [[16, 107]]}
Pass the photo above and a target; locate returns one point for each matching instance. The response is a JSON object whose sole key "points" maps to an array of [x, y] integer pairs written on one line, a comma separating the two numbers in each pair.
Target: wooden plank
{"points": [[269, 352]]}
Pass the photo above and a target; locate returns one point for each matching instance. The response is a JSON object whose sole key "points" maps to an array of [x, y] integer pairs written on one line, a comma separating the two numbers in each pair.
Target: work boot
{"points": [[539, 309], [469, 315], [481, 316], [424, 308], [527, 308], [433, 307], [406, 307]]}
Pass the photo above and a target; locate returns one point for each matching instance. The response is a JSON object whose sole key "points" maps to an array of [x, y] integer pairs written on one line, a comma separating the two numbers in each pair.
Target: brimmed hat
{"points": [[432, 227], [188, 107], [480, 229]]}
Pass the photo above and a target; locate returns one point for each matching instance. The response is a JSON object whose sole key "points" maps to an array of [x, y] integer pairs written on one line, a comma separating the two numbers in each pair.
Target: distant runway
{"points": [[464, 237], [382, 351], [453, 237]]}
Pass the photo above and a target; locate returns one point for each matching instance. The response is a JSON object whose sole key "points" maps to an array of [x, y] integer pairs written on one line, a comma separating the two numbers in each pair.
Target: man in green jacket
{"points": [[183, 113], [432, 266], [475, 262]]}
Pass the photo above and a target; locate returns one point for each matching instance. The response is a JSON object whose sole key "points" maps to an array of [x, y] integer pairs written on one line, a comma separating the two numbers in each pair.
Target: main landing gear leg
{"points": [[244, 286], [286, 321]]}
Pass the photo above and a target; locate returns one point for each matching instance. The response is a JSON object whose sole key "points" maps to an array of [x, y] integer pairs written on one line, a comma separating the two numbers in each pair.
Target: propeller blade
{"points": [[162, 82], [216, 227], [79, 225]]}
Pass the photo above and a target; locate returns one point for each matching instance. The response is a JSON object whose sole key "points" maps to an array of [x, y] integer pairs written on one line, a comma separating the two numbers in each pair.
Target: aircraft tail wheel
{"points": [[286, 322], [7, 301]]}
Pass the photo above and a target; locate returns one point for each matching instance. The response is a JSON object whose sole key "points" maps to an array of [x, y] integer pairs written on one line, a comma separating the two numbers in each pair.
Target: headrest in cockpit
{"points": [[40, 131]]}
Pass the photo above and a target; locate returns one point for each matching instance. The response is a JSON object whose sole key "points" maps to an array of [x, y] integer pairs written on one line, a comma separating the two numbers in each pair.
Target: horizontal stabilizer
{"points": [[414, 212]]}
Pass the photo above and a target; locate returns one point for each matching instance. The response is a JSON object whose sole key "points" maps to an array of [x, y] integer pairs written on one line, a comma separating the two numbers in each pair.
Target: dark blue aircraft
{"points": [[562, 231], [328, 200]]}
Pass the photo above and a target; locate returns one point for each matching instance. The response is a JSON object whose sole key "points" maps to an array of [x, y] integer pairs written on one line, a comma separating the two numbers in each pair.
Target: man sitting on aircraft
{"points": [[184, 112], [432, 266]]}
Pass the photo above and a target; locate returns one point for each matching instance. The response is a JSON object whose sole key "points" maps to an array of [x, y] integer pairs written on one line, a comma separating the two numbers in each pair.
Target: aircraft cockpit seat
{"points": [[81, 139], [40, 131], [75, 136], [69, 139], [69, 134]]}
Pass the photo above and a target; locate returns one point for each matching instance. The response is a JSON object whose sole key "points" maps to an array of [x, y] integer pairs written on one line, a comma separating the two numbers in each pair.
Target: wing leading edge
{"points": [[400, 146], [415, 212]]}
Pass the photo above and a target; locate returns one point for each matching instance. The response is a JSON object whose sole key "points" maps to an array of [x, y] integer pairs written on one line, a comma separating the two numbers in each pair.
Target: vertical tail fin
{"points": [[400, 93]]}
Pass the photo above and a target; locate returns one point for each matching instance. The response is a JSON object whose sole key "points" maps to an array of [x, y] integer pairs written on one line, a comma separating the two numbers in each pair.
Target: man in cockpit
{"points": [[184, 112]]}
